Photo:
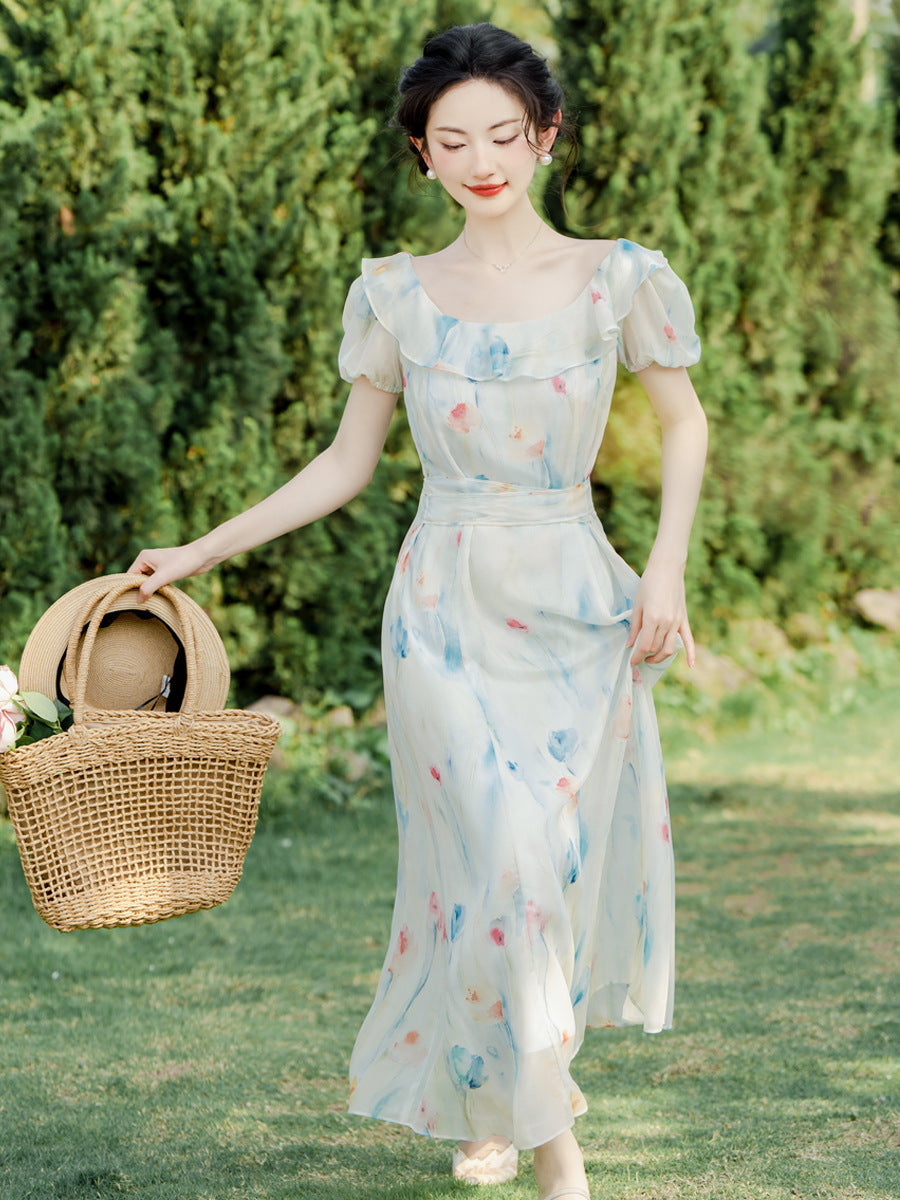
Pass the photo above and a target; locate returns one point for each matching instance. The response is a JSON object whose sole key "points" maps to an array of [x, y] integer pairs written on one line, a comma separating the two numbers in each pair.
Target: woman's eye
{"points": [[497, 142]]}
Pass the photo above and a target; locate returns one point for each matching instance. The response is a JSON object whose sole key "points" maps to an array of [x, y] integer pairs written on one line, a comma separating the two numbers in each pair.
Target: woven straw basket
{"points": [[133, 817]]}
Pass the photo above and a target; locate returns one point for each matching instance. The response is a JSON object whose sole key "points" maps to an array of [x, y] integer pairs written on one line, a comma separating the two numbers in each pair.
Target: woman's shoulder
{"points": [[591, 252], [568, 265], [596, 249]]}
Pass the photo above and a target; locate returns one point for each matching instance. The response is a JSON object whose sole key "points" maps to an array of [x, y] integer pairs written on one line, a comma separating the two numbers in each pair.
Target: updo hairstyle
{"points": [[480, 52]]}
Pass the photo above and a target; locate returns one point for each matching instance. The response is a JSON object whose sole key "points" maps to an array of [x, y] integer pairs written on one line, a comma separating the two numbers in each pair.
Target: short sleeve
{"points": [[368, 348], [659, 326]]}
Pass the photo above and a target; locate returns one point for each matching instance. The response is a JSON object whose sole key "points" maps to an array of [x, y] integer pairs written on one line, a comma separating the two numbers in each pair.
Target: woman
{"points": [[535, 886]]}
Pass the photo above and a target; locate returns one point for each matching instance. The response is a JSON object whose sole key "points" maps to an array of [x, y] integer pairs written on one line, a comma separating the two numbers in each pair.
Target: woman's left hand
{"points": [[660, 615]]}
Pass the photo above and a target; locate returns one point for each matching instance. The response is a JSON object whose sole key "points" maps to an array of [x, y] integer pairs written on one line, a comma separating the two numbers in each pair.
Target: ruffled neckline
{"points": [[556, 314], [540, 347]]}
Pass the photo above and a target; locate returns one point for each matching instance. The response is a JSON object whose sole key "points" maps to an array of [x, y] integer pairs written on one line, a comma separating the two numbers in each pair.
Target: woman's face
{"points": [[475, 143]]}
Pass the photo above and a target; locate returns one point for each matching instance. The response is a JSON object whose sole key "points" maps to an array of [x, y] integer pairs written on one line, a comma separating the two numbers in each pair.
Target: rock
{"points": [[376, 717], [279, 760], [279, 707], [803, 629], [283, 710], [879, 606], [355, 765], [846, 659], [341, 717], [766, 639], [717, 674]]}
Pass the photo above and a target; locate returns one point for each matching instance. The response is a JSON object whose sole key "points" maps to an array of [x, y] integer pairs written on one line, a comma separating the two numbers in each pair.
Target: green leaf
{"points": [[39, 731], [39, 706]]}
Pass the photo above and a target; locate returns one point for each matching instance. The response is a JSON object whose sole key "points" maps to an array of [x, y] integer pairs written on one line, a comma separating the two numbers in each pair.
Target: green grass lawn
{"points": [[205, 1058]]}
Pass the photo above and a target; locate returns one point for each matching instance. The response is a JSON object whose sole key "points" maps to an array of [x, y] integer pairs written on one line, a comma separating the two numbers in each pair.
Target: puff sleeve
{"points": [[368, 348], [659, 326]]}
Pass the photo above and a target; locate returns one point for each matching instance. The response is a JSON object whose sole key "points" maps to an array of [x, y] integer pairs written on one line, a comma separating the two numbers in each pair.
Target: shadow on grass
{"points": [[205, 1058]]}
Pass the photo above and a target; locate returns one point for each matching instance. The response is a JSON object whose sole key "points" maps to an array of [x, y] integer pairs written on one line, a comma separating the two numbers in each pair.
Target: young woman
{"points": [[535, 885]]}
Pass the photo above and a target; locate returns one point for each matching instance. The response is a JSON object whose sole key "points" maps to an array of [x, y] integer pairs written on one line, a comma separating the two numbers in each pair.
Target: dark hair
{"points": [[480, 52]]}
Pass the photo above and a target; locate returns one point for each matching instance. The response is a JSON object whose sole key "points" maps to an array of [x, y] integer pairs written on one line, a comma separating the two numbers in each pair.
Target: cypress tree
{"points": [[188, 188], [400, 211], [672, 155], [185, 299], [628, 98], [837, 161], [787, 374], [626, 91], [889, 241], [730, 193], [242, 267], [80, 416]]}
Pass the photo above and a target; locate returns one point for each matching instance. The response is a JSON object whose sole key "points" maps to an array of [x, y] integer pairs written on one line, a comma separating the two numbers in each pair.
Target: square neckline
{"points": [[555, 313]]}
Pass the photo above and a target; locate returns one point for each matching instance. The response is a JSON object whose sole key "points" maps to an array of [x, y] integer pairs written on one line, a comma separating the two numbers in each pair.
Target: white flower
{"points": [[9, 685], [8, 722]]}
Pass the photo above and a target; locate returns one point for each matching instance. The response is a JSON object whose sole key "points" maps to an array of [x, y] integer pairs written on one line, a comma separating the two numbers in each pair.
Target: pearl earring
{"points": [[545, 159], [430, 173]]}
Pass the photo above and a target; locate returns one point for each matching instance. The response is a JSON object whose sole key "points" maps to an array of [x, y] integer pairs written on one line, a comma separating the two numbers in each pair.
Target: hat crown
{"points": [[136, 649]]}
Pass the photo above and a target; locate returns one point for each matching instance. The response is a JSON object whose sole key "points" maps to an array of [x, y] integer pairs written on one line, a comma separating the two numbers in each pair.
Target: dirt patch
{"points": [[877, 1133], [753, 904], [801, 934], [695, 1062]]}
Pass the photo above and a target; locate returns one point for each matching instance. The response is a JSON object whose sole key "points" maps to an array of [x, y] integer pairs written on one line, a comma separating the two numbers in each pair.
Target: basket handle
{"points": [[97, 608]]}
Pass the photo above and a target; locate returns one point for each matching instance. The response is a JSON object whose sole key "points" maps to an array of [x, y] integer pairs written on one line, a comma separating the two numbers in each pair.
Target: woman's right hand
{"points": [[166, 565]]}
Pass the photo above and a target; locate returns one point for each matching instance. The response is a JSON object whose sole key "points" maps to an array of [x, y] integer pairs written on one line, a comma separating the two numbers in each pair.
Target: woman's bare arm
{"points": [[660, 611], [331, 479]]}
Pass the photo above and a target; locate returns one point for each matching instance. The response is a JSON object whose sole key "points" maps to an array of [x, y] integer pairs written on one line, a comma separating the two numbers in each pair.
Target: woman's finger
{"points": [[688, 638], [637, 621], [149, 586], [666, 648], [143, 564], [151, 566], [649, 637]]}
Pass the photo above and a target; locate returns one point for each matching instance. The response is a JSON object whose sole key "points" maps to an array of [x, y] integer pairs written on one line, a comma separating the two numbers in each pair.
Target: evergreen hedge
{"points": [[187, 188], [191, 185], [766, 178]]}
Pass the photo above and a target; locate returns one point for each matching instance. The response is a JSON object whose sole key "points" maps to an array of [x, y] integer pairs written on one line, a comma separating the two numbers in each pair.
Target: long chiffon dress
{"points": [[535, 887]]}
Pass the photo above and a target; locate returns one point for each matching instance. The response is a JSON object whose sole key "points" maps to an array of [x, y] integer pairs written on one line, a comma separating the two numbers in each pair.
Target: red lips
{"points": [[492, 189]]}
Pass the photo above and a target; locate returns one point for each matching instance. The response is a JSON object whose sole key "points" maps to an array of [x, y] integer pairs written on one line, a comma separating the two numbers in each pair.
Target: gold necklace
{"points": [[502, 266]]}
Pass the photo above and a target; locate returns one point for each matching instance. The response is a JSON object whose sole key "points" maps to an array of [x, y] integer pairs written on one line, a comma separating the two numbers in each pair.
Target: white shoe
{"points": [[494, 1166]]}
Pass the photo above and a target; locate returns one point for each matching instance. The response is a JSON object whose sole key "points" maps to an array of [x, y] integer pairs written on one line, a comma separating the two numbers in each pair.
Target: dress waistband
{"points": [[449, 501]]}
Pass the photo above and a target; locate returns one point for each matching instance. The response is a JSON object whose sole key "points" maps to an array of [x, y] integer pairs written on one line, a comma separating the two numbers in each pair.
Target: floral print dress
{"points": [[535, 888]]}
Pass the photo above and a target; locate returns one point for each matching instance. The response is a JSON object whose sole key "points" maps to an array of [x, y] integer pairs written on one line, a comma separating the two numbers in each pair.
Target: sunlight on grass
{"points": [[866, 827], [205, 1058]]}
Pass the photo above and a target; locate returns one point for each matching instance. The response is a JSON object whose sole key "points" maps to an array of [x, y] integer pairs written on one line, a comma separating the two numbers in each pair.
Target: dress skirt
{"points": [[535, 889]]}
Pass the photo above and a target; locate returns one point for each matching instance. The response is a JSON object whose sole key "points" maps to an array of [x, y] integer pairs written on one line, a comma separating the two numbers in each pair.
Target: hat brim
{"points": [[49, 640]]}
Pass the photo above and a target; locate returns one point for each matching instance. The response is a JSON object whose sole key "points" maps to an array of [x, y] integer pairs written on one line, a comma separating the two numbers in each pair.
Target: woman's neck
{"points": [[500, 239]]}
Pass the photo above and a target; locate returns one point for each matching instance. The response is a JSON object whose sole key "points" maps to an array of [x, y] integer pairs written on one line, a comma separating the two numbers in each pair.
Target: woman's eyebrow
{"points": [[450, 128]]}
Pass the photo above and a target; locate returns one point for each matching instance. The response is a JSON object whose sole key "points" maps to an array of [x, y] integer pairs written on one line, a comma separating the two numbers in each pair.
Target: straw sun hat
{"points": [[138, 661]]}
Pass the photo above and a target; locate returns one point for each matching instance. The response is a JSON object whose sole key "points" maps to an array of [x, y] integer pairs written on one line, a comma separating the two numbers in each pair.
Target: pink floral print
{"points": [[535, 884]]}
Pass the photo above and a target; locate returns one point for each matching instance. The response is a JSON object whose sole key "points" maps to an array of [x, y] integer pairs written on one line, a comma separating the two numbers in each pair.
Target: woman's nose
{"points": [[482, 162]]}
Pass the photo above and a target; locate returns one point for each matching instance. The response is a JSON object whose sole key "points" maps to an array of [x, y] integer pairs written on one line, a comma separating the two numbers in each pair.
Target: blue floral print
{"points": [[535, 888]]}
